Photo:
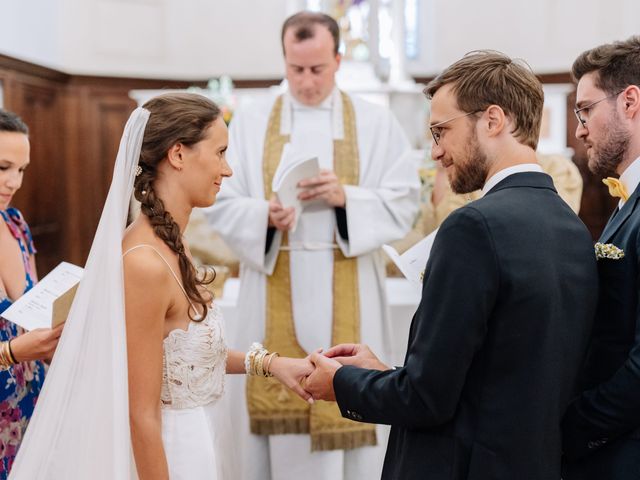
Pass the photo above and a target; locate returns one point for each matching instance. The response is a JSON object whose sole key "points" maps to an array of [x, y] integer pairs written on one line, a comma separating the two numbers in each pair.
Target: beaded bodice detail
{"points": [[194, 363]]}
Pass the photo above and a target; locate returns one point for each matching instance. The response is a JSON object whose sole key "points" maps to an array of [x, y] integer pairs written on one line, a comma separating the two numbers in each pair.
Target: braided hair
{"points": [[174, 118]]}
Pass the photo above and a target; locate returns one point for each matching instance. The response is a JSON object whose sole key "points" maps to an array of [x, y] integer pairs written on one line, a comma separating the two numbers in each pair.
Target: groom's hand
{"points": [[355, 354], [320, 383]]}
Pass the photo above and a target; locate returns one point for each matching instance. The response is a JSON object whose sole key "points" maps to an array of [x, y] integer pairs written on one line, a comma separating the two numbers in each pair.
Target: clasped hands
{"points": [[312, 377], [325, 186]]}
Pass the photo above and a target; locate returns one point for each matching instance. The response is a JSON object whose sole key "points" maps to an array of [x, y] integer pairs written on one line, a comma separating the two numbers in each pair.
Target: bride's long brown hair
{"points": [[174, 118]]}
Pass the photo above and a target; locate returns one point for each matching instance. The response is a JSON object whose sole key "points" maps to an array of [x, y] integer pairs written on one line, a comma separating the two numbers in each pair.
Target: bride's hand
{"points": [[290, 372]]}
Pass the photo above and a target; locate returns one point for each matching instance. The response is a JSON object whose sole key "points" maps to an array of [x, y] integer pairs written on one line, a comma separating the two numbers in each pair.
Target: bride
{"points": [[142, 357]]}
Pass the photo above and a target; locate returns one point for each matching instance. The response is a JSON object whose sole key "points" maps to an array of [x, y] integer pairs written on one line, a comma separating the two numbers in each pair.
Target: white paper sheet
{"points": [[34, 309], [412, 262]]}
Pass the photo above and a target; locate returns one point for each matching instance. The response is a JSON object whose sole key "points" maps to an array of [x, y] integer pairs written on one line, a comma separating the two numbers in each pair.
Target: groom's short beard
{"points": [[471, 175], [607, 156]]}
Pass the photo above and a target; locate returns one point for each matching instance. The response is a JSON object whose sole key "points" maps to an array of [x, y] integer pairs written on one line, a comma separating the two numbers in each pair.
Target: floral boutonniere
{"points": [[608, 250]]}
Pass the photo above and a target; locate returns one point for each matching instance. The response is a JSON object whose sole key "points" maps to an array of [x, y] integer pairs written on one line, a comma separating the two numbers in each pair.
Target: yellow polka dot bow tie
{"points": [[616, 188]]}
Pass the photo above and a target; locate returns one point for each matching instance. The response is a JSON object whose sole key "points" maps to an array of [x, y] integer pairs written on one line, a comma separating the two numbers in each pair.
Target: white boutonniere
{"points": [[608, 250]]}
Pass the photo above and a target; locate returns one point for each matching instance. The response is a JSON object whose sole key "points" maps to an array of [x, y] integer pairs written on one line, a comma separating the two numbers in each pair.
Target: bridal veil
{"points": [[80, 427]]}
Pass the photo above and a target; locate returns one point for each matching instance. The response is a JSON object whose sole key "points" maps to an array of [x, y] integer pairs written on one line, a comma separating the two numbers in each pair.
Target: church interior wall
{"points": [[67, 67], [549, 34], [196, 39]]}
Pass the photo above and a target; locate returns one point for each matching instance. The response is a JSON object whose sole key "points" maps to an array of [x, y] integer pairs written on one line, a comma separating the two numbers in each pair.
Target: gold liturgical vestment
{"points": [[274, 409]]}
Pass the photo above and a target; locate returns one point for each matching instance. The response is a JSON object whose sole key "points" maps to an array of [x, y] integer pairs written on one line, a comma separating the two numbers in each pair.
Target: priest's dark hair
{"points": [[305, 23], [174, 118]]}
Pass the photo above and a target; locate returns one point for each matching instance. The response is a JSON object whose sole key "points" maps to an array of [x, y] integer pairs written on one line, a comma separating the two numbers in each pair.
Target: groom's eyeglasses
{"points": [[436, 130]]}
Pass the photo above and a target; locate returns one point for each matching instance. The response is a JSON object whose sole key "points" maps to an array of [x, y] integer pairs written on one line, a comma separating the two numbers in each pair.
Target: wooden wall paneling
{"points": [[110, 112], [42, 197], [32, 70], [75, 130], [8, 86], [102, 118], [88, 180]]}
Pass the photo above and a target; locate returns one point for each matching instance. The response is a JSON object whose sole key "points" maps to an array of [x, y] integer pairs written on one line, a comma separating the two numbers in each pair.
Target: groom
{"points": [[508, 300]]}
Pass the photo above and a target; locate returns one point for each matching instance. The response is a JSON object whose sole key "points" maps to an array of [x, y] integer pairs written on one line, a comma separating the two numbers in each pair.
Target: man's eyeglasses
{"points": [[436, 130], [583, 112]]}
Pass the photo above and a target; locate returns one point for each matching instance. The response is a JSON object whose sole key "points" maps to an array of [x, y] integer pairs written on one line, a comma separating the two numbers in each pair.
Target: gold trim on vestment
{"points": [[274, 409]]}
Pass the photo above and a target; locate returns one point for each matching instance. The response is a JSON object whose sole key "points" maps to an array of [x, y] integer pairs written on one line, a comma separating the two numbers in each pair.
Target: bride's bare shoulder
{"points": [[147, 287], [142, 259]]}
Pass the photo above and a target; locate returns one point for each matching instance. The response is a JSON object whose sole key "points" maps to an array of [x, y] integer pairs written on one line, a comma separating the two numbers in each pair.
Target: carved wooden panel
{"points": [[42, 198], [102, 117]]}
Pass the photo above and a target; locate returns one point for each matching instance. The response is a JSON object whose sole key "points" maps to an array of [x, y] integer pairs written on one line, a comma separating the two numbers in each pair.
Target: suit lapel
{"points": [[617, 220]]}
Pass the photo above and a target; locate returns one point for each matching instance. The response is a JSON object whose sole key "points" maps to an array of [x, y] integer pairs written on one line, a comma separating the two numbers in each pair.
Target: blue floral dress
{"points": [[21, 384]]}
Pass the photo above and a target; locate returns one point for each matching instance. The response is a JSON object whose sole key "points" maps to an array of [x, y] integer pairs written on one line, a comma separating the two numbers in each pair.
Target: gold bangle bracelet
{"points": [[268, 369], [260, 363], [11, 355], [5, 360]]}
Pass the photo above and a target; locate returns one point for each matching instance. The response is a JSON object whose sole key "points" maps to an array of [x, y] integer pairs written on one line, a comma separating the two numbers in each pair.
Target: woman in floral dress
{"points": [[21, 369]]}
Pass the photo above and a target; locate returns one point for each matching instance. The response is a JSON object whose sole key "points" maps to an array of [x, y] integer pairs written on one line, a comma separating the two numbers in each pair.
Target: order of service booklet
{"points": [[47, 304], [289, 173], [412, 262]]}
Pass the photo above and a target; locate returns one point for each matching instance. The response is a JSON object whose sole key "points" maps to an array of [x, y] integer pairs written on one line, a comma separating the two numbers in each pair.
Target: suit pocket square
{"points": [[608, 250]]}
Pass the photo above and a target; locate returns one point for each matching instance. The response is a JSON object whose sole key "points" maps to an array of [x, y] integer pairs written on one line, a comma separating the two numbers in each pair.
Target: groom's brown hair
{"points": [[485, 77]]}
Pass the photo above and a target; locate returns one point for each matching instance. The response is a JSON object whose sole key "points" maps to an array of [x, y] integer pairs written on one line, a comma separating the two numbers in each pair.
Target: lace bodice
{"points": [[194, 363]]}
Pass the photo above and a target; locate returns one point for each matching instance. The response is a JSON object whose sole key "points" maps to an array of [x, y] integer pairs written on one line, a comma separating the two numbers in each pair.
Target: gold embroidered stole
{"points": [[273, 408]]}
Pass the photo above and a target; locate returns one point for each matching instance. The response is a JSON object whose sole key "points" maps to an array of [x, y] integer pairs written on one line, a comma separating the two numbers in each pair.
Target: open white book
{"points": [[412, 262], [289, 173], [35, 309]]}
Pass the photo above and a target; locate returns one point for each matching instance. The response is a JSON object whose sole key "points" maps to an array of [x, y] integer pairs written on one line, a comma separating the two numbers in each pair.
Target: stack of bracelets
{"points": [[6, 356], [254, 360]]}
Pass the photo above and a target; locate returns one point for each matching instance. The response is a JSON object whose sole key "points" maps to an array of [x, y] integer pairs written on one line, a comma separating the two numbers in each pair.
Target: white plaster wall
{"points": [[184, 39], [198, 39], [549, 34], [29, 31]]}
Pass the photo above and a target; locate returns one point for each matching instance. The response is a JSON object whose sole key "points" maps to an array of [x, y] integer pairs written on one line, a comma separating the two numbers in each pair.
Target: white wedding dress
{"points": [[193, 370], [192, 381]]}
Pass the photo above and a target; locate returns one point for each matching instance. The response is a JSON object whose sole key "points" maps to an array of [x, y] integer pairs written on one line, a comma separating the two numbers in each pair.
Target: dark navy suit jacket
{"points": [[507, 305], [601, 437]]}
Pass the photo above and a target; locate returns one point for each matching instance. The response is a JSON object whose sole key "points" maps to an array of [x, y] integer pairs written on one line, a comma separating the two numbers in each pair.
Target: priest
{"points": [[315, 279]]}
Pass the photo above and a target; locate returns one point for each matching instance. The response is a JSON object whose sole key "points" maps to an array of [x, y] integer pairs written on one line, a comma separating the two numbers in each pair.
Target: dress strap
{"points": [[195, 311]]}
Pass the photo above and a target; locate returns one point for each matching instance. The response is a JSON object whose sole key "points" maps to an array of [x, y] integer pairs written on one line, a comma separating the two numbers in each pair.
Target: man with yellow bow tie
{"points": [[602, 426]]}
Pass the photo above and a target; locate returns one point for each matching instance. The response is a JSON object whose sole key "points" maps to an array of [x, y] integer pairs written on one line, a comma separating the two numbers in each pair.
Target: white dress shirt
{"points": [[505, 172]]}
